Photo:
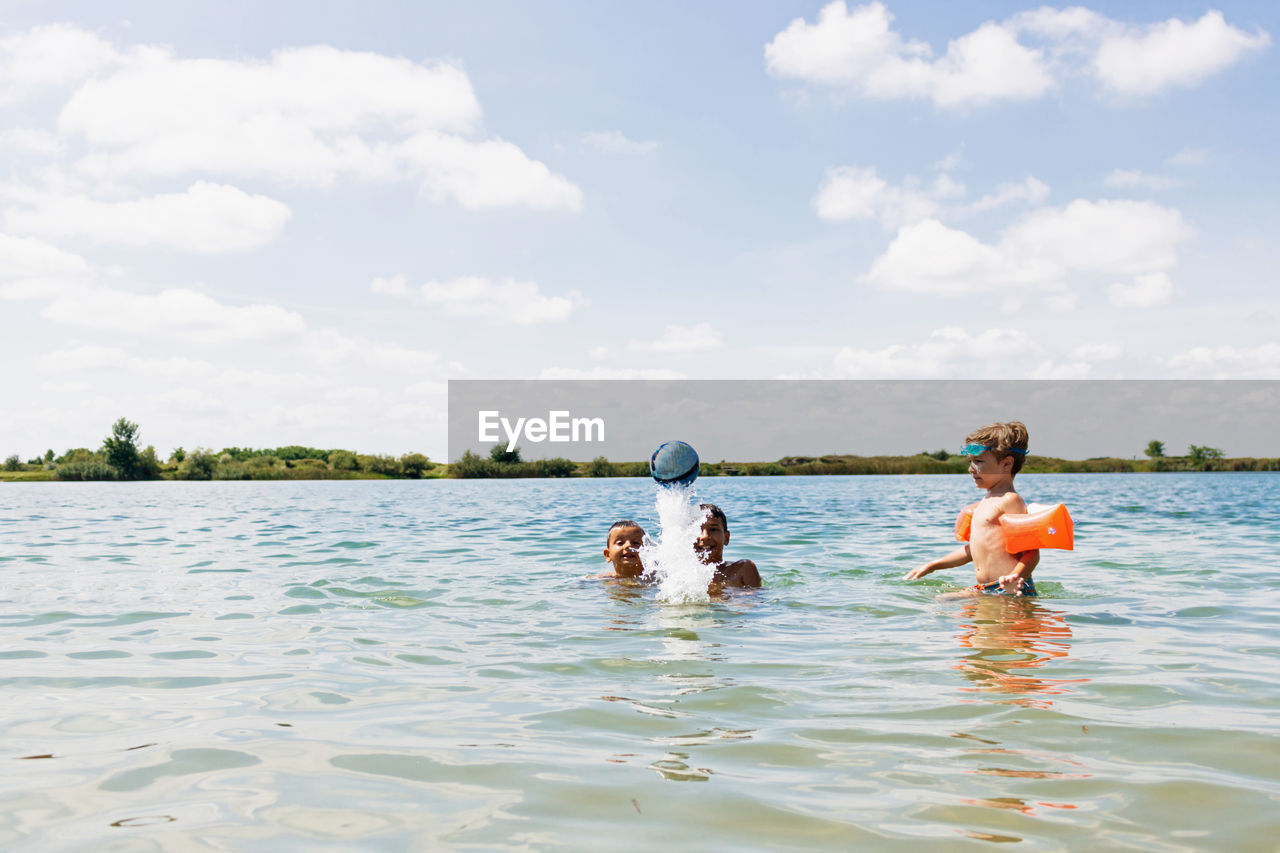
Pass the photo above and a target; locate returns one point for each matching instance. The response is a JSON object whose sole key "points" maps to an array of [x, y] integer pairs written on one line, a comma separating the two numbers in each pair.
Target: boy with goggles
{"points": [[996, 453]]}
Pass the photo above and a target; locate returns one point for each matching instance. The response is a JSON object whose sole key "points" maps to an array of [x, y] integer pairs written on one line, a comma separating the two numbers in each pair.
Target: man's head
{"points": [[622, 548], [997, 449], [714, 535]]}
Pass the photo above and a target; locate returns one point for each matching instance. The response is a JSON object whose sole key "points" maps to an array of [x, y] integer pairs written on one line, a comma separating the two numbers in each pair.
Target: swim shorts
{"points": [[1028, 588]]}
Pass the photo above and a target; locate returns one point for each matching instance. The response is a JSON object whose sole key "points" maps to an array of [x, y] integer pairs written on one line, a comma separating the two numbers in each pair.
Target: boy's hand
{"points": [[1011, 583], [917, 573]]}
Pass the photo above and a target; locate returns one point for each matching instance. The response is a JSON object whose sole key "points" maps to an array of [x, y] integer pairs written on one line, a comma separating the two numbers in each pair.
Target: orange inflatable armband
{"points": [[1042, 527], [964, 521]]}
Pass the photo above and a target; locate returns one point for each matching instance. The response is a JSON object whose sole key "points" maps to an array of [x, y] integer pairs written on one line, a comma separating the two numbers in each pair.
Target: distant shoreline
{"points": [[475, 467], [831, 465]]}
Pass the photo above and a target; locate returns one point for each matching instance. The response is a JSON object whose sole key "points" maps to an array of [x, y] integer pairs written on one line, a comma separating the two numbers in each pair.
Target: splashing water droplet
{"points": [[682, 577]]}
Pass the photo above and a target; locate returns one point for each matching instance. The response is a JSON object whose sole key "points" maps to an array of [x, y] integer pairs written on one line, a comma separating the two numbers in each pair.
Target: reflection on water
{"points": [[1011, 639]]}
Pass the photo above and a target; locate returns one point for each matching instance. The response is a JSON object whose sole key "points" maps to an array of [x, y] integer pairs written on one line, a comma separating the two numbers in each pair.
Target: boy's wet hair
{"points": [[626, 522], [714, 511], [1003, 437]]}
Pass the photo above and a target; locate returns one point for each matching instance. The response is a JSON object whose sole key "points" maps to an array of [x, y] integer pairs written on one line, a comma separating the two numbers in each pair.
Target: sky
{"points": [[292, 223]]}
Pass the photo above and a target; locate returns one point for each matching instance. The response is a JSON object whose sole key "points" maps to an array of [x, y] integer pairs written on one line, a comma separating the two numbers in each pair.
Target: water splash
{"points": [[682, 577]]}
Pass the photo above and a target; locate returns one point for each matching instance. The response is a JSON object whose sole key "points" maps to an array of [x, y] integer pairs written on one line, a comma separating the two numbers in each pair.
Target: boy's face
{"points": [[988, 471], [623, 551], [710, 543]]}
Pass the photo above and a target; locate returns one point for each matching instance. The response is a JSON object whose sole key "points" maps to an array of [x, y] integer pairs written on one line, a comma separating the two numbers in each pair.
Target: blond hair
{"points": [[1003, 438]]}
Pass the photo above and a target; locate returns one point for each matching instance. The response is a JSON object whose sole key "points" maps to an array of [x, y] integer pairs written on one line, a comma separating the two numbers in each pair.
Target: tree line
{"points": [[120, 458]]}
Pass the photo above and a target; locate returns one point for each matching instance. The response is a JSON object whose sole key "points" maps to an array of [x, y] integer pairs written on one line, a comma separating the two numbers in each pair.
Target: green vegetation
{"points": [[120, 458], [502, 464]]}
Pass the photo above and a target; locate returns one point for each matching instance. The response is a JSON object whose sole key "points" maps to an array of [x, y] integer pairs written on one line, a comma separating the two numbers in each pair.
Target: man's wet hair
{"points": [[626, 522], [714, 511]]}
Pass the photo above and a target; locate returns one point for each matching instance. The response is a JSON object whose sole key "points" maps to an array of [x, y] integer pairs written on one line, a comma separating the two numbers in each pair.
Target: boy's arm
{"points": [[1027, 562], [958, 557]]}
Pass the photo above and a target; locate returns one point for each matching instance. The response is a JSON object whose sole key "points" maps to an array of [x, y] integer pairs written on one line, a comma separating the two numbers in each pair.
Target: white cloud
{"points": [[1228, 362], [1145, 291], [951, 161], [30, 140], [945, 187], [303, 116], [1130, 178], [1050, 369], [850, 192], [675, 338], [929, 257], [310, 89], [501, 303], [1096, 352], [1189, 157], [397, 285], [329, 347], [488, 174], [1172, 53], [26, 257], [92, 357], [615, 142], [207, 218], [52, 55], [262, 380], [1030, 190], [1045, 249], [857, 50], [173, 313], [400, 359], [947, 352], [607, 373], [72, 387], [33, 269], [1105, 236], [1062, 26]]}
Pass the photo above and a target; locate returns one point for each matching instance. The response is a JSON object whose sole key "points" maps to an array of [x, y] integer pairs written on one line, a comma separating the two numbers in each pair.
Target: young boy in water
{"points": [[622, 550], [996, 453], [709, 547]]}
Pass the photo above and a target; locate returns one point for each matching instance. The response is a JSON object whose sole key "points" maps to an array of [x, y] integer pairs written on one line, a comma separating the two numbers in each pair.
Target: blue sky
{"points": [[239, 224]]}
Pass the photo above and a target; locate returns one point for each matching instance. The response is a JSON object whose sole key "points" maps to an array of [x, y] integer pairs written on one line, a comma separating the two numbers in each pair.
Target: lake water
{"points": [[422, 665]]}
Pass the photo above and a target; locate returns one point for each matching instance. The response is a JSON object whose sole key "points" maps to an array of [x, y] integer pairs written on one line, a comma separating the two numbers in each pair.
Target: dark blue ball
{"points": [[674, 463]]}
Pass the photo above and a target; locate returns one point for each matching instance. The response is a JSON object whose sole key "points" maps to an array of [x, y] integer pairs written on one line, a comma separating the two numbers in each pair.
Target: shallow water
{"points": [[422, 665]]}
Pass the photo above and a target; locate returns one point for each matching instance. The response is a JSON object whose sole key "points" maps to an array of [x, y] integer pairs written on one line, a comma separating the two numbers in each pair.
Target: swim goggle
{"points": [[976, 450]]}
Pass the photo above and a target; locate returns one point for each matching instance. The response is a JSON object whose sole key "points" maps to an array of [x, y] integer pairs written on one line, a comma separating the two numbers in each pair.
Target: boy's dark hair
{"points": [[714, 511], [626, 522], [1003, 438]]}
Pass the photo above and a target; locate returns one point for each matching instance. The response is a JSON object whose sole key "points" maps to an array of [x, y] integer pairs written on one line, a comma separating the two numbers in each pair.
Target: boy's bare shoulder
{"points": [[1012, 502], [738, 573]]}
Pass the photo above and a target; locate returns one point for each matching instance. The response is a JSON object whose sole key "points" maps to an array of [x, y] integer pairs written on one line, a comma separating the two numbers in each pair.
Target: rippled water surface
{"points": [[423, 665]]}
